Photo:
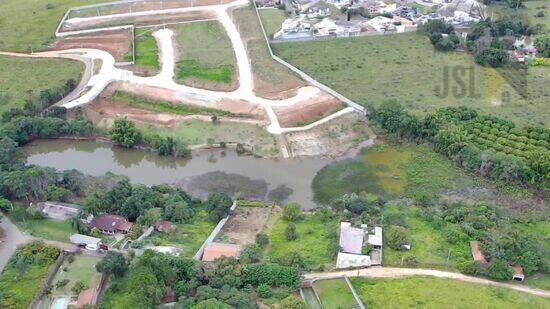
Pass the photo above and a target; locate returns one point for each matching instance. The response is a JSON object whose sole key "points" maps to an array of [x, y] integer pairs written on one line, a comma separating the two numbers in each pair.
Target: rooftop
{"points": [[351, 238], [217, 250], [111, 223]]}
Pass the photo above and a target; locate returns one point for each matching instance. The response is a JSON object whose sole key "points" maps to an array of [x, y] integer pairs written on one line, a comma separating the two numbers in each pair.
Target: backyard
{"points": [[429, 292], [335, 293], [49, 229], [24, 78], [206, 57], [314, 242], [81, 269], [409, 70]]}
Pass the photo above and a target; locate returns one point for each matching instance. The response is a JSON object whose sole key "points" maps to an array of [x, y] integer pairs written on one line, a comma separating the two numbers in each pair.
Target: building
{"points": [[216, 250], [165, 226], [83, 240], [351, 238], [293, 28], [85, 298], [347, 260], [476, 252], [58, 210], [374, 7], [111, 224], [519, 275], [376, 239], [379, 23], [317, 9]]}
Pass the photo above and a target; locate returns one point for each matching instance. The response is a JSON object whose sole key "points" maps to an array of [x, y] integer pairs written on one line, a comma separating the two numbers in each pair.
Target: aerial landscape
{"points": [[324, 154]]}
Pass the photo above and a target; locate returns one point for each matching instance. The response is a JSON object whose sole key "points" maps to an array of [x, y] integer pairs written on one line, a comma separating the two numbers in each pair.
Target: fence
{"points": [[334, 36], [214, 233], [48, 279], [306, 77]]}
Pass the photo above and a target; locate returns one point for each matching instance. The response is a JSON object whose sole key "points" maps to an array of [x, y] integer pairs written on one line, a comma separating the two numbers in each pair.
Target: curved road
{"points": [[11, 240], [391, 272]]}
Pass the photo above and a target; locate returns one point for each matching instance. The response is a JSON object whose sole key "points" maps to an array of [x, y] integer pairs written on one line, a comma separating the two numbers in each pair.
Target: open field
{"points": [[272, 19], [429, 245], [118, 43], [313, 242], [335, 293], [81, 269], [187, 236], [405, 67], [244, 224], [49, 229], [206, 58], [428, 292], [528, 12], [24, 78], [146, 52], [272, 80], [31, 23]]}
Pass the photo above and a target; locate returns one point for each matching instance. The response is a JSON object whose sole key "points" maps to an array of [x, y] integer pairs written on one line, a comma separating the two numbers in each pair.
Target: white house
{"points": [[380, 23], [351, 238], [294, 28], [347, 260]]}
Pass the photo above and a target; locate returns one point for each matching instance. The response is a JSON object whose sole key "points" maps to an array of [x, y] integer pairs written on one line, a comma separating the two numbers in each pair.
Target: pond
{"points": [[207, 171]]}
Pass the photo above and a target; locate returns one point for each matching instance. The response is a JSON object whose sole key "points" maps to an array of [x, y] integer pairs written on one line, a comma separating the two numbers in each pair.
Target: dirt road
{"points": [[390, 272], [12, 239]]}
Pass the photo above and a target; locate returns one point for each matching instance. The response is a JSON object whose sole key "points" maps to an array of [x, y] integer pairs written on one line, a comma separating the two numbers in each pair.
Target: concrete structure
{"points": [[351, 238], [217, 250], [79, 239], [348, 260], [167, 250], [58, 210], [519, 275], [376, 239]]}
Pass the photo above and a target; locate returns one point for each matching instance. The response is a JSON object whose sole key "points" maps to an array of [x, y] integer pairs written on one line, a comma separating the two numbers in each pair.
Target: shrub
{"points": [[124, 133], [262, 240], [397, 237], [290, 232], [292, 212], [264, 291], [251, 254]]}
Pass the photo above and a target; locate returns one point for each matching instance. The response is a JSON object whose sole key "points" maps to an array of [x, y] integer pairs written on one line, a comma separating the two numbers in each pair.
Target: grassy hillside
{"points": [[31, 23], [24, 78], [406, 67]]}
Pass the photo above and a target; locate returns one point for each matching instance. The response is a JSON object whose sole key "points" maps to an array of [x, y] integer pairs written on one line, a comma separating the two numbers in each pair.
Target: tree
{"points": [[211, 303], [262, 239], [494, 57], [290, 232], [292, 212], [6, 205], [11, 155], [59, 194], [124, 133], [78, 287], [218, 205], [113, 263], [397, 237], [264, 291], [542, 43], [251, 254], [292, 302]]}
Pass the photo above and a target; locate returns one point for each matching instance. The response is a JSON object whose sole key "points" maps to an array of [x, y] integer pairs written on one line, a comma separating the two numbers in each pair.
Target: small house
{"points": [[519, 275], [351, 238], [84, 240], [111, 224], [476, 252], [217, 250], [376, 239]]}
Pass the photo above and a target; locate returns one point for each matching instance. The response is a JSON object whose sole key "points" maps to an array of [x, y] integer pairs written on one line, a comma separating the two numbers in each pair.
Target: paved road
{"points": [[390, 272], [12, 239]]}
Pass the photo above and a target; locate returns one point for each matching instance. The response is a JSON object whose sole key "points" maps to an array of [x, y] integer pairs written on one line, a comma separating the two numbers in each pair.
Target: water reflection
{"points": [[207, 171]]}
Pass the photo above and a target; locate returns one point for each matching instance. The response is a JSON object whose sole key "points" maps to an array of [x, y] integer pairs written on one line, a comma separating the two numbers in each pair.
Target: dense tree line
{"points": [[487, 145], [225, 282], [441, 34]]}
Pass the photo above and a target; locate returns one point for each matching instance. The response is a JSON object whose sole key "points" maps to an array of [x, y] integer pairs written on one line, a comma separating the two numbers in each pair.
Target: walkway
{"points": [[390, 272]]}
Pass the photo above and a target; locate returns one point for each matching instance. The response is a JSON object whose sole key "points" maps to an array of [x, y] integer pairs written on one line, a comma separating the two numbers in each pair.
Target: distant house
{"points": [[85, 298], [379, 23], [111, 224], [351, 238], [294, 28], [519, 275], [218, 250], [165, 226], [378, 7], [317, 9], [58, 210], [476, 252]]}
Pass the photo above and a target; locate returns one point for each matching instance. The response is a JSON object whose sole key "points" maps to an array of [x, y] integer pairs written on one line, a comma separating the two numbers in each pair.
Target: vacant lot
{"points": [[272, 19], [270, 77], [82, 269], [146, 52], [405, 67], [31, 23], [528, 12], [48, 229], [206, 57], [118, 43], [244, 224], [428, 292], [315, 238], [335, 293], [24, 78]]}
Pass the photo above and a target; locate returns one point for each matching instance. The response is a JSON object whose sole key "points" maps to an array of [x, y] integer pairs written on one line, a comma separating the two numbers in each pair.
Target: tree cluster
{"points": [[441, 34]]}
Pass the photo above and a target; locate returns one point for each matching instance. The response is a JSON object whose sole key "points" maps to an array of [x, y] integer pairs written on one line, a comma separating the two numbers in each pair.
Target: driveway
{"points": [[11, 240]]}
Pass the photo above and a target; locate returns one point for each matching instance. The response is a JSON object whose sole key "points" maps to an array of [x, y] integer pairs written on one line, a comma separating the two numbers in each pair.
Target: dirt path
{"points": [[390, 272], [12, 239]]}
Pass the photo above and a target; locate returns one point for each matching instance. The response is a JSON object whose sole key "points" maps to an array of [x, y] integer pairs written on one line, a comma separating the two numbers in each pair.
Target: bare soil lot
{"points": [[331, 139], [244, 224], [307, 112], [118, 43]]}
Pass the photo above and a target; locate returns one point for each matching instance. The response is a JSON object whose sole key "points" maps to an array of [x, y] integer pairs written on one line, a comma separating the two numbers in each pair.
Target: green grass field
{"points": [[196, 132], [22, 289], [188, 237], [312, 242], [335, 293], [263, 66], [146, 50], [31, 23], [272, 19], [405, 67], [128, 98], [205, 53], [528, 12], [429, 245], [429, 292], [24, 78], [48, 229], [81, 269]]}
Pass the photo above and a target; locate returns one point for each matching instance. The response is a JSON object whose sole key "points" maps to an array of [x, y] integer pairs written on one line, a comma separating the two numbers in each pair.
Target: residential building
{"points": [[83, 240], [476, 252], [519, 275], [351, 238], [216, 250], [111, 224], [348, 260], [376, 239]]}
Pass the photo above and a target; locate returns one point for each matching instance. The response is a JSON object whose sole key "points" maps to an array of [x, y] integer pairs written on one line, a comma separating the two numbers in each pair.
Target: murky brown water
{"points": [[208, 170]]}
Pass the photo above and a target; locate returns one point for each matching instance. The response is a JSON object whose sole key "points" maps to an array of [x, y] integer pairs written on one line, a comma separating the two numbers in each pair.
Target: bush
{"points": [[290, 232], [397, 237], [251, 254], [264, 291], [262, 240], [124, 133], [292, 212]]}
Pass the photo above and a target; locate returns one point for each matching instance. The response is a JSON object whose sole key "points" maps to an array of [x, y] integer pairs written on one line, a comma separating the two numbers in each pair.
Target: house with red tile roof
{"points": [[111, 224], [217, 250]]}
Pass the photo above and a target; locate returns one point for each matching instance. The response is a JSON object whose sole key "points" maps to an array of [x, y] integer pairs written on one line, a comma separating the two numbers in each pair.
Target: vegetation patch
{"points": [[146, 49], [165, 106], [75, 269], [335, 293], [272, 20], [49, 229], [191, 68], [440, 293]]}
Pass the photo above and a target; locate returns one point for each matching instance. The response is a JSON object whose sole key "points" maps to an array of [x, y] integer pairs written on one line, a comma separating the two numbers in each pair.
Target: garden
{"points": [[77, 273], [335, 293], [430, 292]]}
